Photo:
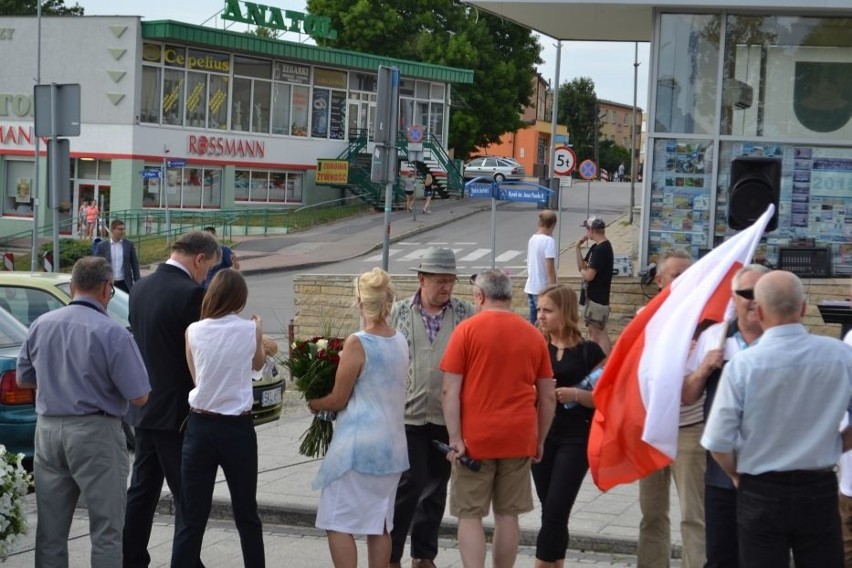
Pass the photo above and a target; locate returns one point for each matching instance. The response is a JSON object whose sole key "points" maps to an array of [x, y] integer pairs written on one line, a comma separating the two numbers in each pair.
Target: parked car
{"points": [[17, 405], [500, 169], [27, 295]]}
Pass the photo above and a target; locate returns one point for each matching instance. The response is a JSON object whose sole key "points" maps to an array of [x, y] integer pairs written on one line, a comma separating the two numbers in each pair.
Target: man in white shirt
{"points": [[541, 260], [121, 254]]}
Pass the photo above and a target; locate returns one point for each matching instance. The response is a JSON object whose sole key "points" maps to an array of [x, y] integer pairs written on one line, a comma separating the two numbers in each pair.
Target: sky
{"points": [[608, 64]]}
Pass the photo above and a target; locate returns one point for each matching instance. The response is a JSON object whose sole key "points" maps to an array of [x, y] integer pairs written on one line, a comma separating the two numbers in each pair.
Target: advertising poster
{"points": [[319, 121]]}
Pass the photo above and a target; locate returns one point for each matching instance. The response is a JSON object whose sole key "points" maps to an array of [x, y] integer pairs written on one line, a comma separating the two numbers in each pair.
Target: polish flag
{"points": [[637, 400]]}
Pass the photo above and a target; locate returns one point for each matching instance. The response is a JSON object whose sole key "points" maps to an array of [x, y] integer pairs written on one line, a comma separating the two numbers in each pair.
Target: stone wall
{"points": [[324, 304]]}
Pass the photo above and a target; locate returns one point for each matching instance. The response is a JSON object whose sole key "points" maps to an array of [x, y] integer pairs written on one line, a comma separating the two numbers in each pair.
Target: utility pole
{"points": [[633, 134]]}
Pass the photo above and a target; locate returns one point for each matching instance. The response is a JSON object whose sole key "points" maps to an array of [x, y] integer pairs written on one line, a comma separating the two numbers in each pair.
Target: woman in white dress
{"points": [[368, 452]]}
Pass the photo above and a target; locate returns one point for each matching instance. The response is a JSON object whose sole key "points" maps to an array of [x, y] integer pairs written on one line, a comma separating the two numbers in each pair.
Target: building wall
{"points": [[323, 303]]}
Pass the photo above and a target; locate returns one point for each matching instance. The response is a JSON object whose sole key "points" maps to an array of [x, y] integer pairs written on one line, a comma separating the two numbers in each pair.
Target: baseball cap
{"points": [[594, 222]]}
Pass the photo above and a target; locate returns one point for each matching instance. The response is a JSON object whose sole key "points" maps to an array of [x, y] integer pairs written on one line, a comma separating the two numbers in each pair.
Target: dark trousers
{"points": [[121, 285], [720, 526], [210, 442], [558, 477], [780, 512], [422, 493], [158, 456]]}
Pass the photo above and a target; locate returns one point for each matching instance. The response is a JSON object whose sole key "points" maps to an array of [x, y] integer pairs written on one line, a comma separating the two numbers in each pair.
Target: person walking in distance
{"points": [[596, 273], [121, 254], [222, 350], [229, 259], [714, 347], [541, 260], [85, 368], [559, 474], [426, 320], [498, 400], [428, 192], [687, 470], [784, 473], [162, 305]]}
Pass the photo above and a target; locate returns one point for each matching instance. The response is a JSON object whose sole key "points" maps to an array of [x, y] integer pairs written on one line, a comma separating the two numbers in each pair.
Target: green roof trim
{"points": [[168, 30]]}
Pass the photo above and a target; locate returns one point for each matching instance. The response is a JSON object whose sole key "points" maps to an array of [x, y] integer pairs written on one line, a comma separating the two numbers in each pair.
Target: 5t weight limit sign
{"points": [[564, 161]]}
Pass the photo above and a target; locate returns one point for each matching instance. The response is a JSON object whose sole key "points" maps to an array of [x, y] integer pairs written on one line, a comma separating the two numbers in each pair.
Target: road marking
{"points": [[508, 255], [475, 255], [378, 257]]}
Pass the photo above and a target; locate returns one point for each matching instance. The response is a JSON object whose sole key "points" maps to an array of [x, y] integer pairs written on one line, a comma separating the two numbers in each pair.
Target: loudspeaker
{"points": [[755, 183]]}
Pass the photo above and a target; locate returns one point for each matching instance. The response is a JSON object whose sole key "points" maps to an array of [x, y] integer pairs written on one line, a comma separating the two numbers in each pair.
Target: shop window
{"points": [[250, 67], [260, 107], [18, 201], [173, 96], [188, 188], [241, 107], [261, 186], [281, 108], [300, 111], [196, 99], [687, 73], [217, 104], [150, 105]]}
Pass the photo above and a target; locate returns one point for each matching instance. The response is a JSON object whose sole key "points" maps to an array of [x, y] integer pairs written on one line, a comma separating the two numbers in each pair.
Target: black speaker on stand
{"points": [[755, 183]]}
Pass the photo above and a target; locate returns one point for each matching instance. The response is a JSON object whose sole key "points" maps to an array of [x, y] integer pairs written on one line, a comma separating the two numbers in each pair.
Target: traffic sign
{"points": [[415, 134], [150, 174], [176, 163], [588, 169], [564, 161], [537, 194]]}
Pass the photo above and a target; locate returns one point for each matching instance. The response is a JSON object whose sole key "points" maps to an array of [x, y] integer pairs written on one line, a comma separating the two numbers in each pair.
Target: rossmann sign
{"points": [[219, 146]]}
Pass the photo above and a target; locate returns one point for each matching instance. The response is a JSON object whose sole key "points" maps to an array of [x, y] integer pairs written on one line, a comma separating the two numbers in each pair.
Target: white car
{"points": [[500, 169]]}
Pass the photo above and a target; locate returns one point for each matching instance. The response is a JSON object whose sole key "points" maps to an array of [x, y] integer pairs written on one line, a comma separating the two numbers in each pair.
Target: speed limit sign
{"points": [[564, 160]]}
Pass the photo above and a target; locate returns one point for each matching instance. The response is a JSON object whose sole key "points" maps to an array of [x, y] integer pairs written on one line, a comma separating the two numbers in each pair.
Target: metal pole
{"points": [[391, 166], [35, 188], [493, 226], [165, 191], [554, 123], [54, 176], [633, 134], [588, 197]]}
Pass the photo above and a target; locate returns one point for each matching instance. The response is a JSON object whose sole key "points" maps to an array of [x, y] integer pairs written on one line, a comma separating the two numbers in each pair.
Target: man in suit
{"points": [[121, 254], [162, 305]]}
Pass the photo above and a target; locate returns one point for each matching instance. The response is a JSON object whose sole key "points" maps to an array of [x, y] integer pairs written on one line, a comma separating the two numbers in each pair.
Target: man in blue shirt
{"points": [[229, 259], [86, 367], [773, 430]]}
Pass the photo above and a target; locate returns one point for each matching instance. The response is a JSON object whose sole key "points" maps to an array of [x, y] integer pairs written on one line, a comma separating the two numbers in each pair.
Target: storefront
{"points": [[750, 103], [233, 120]]}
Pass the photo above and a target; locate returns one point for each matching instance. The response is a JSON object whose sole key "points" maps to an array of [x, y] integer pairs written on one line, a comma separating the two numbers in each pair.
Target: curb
{"points": [[369, 248], [299, 516]]}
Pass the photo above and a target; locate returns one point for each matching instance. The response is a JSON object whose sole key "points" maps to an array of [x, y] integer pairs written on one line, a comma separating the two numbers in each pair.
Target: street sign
{"points": [[526, 194], [175, 163], [62, 101], [415, 134], [564, 161], [480, 190], [588, 170], [150, 174]]}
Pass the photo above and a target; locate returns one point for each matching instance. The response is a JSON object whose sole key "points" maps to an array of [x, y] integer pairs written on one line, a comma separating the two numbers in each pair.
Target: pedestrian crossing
{"points": [[470, 256]]}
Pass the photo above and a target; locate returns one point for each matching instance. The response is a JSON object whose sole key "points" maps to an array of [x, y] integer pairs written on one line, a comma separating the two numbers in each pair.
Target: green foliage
{"points": [[578, 108], [30, 8], [70, 251], [612, 155], [502, 55]]}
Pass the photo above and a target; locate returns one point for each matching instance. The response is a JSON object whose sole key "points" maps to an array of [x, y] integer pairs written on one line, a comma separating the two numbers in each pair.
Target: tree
{"points": [[30, 8], [578, 108], [612, 155], [502, 55]]}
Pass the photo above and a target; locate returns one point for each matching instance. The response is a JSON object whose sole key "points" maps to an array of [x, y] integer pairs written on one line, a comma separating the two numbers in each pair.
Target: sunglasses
{"points": [[746, 294]]}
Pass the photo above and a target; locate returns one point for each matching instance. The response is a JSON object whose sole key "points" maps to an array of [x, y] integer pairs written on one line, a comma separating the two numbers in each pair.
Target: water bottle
{"points": [[588, 383]]}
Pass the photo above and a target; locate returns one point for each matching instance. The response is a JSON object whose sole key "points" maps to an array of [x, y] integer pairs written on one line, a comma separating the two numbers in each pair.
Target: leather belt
{"points": [[795, 475], [217, 414]]}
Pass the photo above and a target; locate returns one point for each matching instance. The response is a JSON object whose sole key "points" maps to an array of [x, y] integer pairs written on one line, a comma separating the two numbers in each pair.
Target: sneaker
{"points": [[422, 563], [427, 212]]}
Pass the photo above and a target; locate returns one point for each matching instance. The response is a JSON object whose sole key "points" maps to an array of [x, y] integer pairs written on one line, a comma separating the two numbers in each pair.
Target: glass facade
{"points": [[262, 186], [775, 87], [190, 188]]}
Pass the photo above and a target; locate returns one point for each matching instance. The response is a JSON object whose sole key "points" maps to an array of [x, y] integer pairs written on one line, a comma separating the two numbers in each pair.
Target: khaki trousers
{"points": [[655, 544]]}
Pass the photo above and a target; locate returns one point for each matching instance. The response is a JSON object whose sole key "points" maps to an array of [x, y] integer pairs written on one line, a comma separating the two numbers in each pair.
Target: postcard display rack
{"points": [[815, 199]]}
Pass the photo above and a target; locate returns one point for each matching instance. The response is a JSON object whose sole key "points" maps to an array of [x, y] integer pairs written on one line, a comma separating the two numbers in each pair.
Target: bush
{"points": [[70, 251]]}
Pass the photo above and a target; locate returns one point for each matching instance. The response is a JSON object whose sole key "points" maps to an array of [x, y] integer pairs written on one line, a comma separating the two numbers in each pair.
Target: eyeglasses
{"points": [[445, 281], [111, 288], [745, 294]]}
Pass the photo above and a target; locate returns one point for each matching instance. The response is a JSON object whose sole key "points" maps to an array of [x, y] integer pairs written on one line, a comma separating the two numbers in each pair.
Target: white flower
{"points": [[322, 344], [14, 485]]}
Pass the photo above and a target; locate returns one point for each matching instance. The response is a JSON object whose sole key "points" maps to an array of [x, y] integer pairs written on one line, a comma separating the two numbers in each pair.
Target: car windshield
{"points": [[118, 307], [12, 332]]}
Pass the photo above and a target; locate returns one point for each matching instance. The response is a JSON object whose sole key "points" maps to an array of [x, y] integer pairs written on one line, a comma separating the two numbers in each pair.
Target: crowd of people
{"points": [[435, 397]]}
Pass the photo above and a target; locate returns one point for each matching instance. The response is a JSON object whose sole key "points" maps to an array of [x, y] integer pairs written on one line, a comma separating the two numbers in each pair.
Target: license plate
{"points": [[270, 397]]}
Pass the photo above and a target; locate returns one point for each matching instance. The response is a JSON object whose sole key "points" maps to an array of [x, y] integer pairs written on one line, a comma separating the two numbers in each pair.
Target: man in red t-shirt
{"points": [[498, 400]]}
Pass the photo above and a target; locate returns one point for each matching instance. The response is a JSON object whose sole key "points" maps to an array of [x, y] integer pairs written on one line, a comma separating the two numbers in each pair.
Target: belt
{"points": [[795, 475], [218, 415], [101, 413]]}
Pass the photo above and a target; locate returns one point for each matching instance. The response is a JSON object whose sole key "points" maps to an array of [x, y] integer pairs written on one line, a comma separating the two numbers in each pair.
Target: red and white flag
{"points": [[637, 400]]}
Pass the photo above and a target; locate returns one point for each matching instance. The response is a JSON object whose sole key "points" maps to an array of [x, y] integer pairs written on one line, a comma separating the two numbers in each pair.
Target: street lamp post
{"points": [[633, 134]]}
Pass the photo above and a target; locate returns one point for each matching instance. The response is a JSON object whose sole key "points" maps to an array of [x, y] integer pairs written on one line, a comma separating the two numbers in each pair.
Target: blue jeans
{"points": [[212, 441], [422, 493], [784, 511], [558, 477], [533, 299]]}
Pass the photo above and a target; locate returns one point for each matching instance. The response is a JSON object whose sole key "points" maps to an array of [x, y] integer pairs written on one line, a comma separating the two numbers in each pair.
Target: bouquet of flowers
{"points": [[313, 364], [15, 482]]}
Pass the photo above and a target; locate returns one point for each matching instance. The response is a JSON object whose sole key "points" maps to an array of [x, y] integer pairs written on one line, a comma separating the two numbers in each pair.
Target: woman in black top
{"points": [[564, 464]]}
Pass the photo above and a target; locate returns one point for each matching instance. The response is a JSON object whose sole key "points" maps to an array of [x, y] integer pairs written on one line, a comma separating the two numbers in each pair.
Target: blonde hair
{"points": [[374, 292], [566, 304]]}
